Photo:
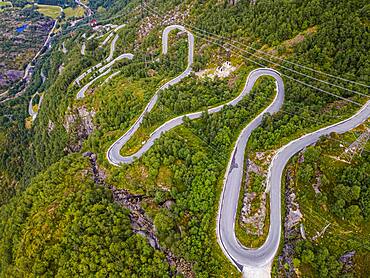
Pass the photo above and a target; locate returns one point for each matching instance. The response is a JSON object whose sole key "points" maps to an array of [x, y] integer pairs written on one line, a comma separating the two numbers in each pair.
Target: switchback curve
{"points": [[103, 70], [32, 112], [263, 256], [113, 153], [239, 255]]}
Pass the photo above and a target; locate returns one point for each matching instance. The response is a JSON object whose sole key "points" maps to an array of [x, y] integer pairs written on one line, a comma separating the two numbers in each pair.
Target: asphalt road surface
{"points": [[240, 256], [32, 112], [103, 71], [263, 256], [82, 91], [113, 154], [112, 48], [89, 12], [100, 65]]}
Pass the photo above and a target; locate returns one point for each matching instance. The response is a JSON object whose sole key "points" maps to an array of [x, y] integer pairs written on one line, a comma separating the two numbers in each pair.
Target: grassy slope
{"points": [[74, 12], [48, 10]]}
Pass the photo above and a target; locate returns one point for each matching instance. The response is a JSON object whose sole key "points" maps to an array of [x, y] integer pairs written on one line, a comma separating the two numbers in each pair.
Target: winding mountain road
{"points": [[103, 71], [113, 44], [32, 112], [112, 48], [107, 39], [113, 154], [262, 257], [82, 76], [100, 66], [253, 262], [44, 46], [89, 12], [82, 91], [110, 77]]}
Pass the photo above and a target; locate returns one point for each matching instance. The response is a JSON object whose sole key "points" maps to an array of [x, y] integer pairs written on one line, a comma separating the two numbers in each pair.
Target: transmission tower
{"points": [[356, 147]]}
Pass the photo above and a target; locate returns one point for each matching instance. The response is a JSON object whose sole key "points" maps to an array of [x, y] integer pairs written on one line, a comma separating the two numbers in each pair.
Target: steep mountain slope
{"points": [[47, 183], [64, 225]]}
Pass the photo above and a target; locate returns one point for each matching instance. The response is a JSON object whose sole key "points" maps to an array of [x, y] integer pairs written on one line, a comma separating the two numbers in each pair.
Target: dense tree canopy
{"points": [[55, 221], [64, 225]]}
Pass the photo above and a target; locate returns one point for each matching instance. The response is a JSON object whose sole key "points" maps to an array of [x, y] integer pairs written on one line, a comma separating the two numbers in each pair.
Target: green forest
{"points": [[340, 191], [66, 211], [64, 225]]}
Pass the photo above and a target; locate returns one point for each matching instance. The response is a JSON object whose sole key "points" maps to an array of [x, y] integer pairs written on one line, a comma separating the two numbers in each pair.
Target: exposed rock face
{"points": [[294, 214], [265, 157], [140, 223], [151, 72], [347, 260], [292, 231], [253, 167], [61, 68], [79, 124], [145, 28], [171, 17], [257, 219], [253, 222], [316, 186], [168, 204], [51, 127], [14, 75]]}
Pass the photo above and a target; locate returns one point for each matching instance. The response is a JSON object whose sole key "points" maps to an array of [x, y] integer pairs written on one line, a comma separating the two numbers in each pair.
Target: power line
{"points": [[353, 102], [266, 53], [287, 76], [356, 147], [152, 10], [283, 60], [300, 73], [321, 90], [258, 57], [262, 65], [103, 20], [269, 61]]}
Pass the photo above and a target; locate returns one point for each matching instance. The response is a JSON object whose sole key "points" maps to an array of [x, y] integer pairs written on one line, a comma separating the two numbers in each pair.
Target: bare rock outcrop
{"points": [[292, 231], [253, 221], [347, 259], [140, 223], [79, 124], [51, 127]]}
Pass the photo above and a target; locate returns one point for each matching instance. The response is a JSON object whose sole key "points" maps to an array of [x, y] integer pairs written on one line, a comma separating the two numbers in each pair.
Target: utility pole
{"points": [[228, 54], [142, 9], [356, 147]]}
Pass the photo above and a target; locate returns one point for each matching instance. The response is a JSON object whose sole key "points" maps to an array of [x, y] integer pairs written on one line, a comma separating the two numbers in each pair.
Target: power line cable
{"points": [[262, 65], [287, 76], [281, 59], [265, 53], [268, 61]]}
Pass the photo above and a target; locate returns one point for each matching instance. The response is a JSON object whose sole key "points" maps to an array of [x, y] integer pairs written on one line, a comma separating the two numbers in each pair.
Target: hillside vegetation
{"points": [[59, 216], [64, 225]]}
